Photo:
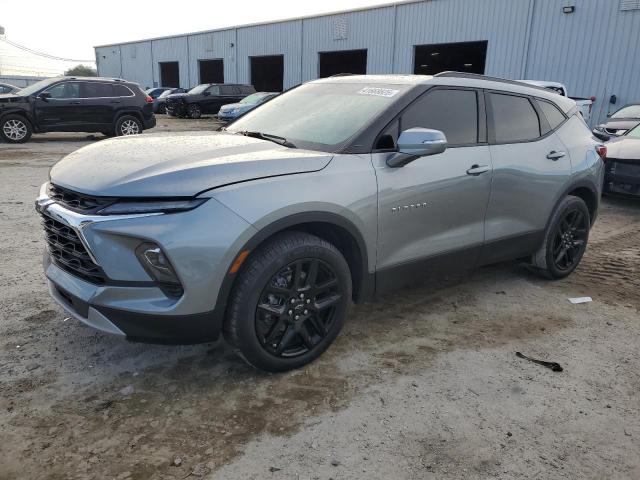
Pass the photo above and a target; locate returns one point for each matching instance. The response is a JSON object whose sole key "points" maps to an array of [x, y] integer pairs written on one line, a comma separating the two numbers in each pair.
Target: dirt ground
{"points": [[423, 384]]}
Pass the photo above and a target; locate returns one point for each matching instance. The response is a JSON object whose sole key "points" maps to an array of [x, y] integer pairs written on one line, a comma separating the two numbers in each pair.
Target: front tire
{"points": [[194, 111], [128, 125], [565, 239], [15, 129], [289, 302]]}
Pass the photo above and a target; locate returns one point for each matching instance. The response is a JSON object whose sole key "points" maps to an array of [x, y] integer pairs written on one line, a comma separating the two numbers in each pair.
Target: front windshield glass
{"points": [[33, 88], [632, 111], [634, 133], [320, 115], [253, 99], [199, 88]]}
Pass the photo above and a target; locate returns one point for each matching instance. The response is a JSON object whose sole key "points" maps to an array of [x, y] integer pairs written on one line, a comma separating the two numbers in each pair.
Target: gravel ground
{"points": [[422, 384]]}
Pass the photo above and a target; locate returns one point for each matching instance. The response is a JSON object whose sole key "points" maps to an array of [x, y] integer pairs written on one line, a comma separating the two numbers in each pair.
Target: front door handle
{"points": [[553, 155], [76, 103], [477, 169]]}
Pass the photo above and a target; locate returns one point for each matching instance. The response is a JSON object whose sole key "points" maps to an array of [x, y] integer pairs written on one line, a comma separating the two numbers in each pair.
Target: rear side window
{"points": [[454, 112], [121, 91], [554, 116], [227, 90], [514, 118], [97, 90]]}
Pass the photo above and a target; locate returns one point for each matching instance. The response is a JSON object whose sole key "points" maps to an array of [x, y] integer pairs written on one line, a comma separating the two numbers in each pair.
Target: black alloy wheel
{"points": [[570, 240], [297, 308]]}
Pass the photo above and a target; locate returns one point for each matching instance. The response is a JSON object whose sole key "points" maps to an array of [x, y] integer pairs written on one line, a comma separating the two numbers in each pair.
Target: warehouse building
{"points": [[592, 46]]}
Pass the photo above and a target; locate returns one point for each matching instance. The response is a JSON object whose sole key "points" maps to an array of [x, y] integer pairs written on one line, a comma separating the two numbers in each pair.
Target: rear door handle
{"points": [[477, 169], [553, 155], [76, 103]]}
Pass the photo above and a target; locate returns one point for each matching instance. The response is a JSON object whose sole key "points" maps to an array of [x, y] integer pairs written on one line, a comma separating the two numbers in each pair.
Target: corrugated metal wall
{"points": [[594, 51]]}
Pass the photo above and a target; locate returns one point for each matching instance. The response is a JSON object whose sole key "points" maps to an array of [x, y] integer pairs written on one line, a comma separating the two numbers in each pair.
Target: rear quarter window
{"points": [[122, 91], [514, 119], [553, 115]]}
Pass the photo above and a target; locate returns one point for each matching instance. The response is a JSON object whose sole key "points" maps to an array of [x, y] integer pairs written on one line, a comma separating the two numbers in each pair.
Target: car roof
{"points": [[458, 79]]}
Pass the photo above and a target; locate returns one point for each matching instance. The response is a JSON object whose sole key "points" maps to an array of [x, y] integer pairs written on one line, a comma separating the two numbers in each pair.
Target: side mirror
{"points": [[417, 142], [206, 93], [44, 96]]}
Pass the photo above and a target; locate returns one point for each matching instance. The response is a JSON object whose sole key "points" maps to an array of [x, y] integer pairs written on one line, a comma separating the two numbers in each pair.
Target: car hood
{"points": [[176, 96], [624, 148], [619, 124], [231, 106], [10, 97], [177, 164]]}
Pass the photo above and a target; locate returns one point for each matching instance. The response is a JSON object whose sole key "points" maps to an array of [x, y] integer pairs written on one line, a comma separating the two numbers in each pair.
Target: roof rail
{"points": [[477, 76]]}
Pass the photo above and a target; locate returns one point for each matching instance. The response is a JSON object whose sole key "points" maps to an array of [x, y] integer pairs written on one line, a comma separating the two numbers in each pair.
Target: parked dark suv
{"points": [[206, 98], [67, 104]]}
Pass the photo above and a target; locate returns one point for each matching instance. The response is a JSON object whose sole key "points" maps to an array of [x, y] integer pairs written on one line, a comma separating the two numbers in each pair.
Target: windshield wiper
{"points": [[268, 136]]}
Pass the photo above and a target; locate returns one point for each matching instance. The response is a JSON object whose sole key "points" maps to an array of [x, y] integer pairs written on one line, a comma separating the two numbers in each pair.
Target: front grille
{"points": [[68, 252], [77, 202]]}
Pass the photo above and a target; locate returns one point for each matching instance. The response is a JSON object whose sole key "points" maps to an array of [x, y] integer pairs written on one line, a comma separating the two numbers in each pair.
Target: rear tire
{"points": [[128, 125], [565, 240], [289, 302], [15, 129], [194, 111]]}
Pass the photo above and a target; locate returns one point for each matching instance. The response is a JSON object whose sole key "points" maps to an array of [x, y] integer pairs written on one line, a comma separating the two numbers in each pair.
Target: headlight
{"points": [[151, 206]]}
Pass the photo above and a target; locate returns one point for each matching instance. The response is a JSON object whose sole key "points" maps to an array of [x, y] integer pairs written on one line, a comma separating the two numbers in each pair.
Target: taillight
{"points": [[149, 99], [602, 152]]}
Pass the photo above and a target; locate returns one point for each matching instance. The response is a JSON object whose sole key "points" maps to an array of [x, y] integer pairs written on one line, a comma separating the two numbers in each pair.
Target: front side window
{"points": [[453, 112], [227, 90], [321, 116], [514, 118], [215, 90], [65, 90]]}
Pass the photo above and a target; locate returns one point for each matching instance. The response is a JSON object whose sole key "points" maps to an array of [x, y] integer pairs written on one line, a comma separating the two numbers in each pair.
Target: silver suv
{"points": [[335, 191]]}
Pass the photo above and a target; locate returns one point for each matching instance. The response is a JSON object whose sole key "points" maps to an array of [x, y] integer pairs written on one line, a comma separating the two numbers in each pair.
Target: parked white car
{"points": [[584, 104]]}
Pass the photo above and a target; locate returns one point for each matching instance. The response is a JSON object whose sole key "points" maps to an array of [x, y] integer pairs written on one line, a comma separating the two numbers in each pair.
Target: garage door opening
{"points": [[169, 74], [211, 71], [467, 57], [267, 73], [346, 61]]}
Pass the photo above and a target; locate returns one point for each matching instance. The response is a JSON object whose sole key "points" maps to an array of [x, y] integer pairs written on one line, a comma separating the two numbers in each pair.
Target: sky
{"points": [[71, 28]]}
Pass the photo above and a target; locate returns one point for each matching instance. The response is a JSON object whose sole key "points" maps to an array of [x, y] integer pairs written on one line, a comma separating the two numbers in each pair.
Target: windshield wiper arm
{"points": [[268, 136]]}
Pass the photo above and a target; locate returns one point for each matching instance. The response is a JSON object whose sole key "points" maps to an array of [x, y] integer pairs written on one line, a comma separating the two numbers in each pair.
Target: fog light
{"points": [[157, 265]]}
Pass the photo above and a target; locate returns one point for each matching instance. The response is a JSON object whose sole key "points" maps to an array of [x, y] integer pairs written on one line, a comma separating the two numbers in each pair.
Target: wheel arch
{"points": [[587, 191], [338, 230], [132, 113], [26, 115]]}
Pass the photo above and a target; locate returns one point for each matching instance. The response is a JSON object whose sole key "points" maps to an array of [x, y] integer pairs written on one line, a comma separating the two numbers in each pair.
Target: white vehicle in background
{"points": [[584, 104]]}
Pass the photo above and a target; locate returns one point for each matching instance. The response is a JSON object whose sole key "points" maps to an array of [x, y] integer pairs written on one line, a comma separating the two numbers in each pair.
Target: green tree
{"points": [[81, 71]]}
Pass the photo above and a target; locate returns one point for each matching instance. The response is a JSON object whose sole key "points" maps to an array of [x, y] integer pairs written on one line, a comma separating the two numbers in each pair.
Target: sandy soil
{"points": [[422, 384]]}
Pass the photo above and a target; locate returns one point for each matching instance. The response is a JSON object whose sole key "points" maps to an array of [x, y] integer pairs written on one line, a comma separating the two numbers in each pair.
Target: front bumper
{"points": [[622, 178], [201, 245]]}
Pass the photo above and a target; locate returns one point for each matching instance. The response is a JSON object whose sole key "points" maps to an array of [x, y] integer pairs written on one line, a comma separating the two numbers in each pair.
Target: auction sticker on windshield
{"points": [[378, 92]]}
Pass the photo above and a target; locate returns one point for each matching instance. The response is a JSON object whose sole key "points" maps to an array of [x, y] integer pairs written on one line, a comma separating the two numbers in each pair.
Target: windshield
{"points": [[320, 115], [632, 111], [199, 88], [253, 99], [634, 133], [33, 88]]}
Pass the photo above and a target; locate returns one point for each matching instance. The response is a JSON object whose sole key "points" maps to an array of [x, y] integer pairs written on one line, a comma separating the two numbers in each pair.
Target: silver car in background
{"points": [[234, 110], [332, 192]]}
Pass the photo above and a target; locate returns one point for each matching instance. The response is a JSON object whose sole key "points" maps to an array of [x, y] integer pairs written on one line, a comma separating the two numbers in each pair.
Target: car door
{"points": [[100, 102], [228, 94], [431, 211], [60, 108], [210, 99], [531, 166]]}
